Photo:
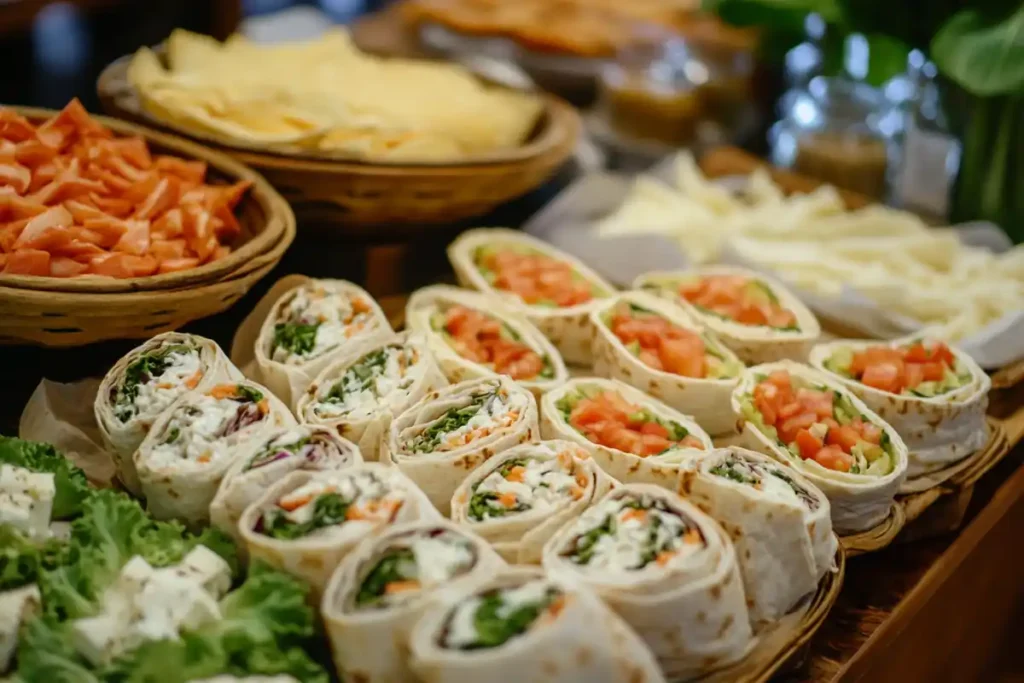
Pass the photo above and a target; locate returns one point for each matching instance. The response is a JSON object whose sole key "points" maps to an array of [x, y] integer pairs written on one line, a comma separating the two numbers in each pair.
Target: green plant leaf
{"points": [[983, 57]]}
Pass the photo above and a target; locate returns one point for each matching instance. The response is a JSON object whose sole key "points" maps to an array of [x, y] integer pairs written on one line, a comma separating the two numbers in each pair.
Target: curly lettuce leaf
{"points": [[72, 488], [45, 653], [23, 559], [112, 529]]}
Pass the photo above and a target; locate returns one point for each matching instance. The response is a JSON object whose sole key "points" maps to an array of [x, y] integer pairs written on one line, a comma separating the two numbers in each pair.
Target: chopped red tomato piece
{"points": [[789, 428], [833, 458], [737, 298], [808, 444], [611, 421], [478, 337], [536, 278], [885, 376], [844, 436]]}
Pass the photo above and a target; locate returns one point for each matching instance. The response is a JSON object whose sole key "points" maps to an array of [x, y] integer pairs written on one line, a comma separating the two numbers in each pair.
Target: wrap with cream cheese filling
{"points": [[145, 382], [631, 436], [437, 441], [807, 420], [194, 443], [519, 498], [265, 461], [666, 568], [525, 626], [472, 336], [360, 394], [934, 395], [309, 521], [753, 314], [381, 588], [778, 521], [553, 290], [309, 327], [652, 345]]}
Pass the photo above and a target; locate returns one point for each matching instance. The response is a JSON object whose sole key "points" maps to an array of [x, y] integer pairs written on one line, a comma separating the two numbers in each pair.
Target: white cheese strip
{"points": [[15, 606], [545, 484], [362, 393], [26, 500], [439, 558], [158, 392], [336, 318], [199, 429]]}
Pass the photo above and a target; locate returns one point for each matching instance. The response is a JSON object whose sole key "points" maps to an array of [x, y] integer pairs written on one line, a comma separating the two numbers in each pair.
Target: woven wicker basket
{"points": [[357, 195], [263, 223], [53, 318]]}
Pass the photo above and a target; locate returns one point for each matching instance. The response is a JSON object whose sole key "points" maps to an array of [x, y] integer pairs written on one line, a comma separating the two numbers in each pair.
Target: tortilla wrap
{"points": [[752, 343], [583, 642], [687, 605], [370, 642], [365, 416], [265, 461], [288, 374], [858, 501], [706, 399], [181, 485], [567, 327], [778, 521], [313, 557], [938, 431], [545, 505], [430, 302], [662, 470], [495, 414], [124, 437]]}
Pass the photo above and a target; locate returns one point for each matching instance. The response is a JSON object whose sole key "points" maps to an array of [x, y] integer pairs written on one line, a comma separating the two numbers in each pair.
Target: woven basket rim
{"points": [[120, 98], [279, 219]]}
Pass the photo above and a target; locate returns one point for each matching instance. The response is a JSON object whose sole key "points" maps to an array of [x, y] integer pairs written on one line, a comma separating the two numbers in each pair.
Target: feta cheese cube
{"points": [[209, 569], [15, 606], [26, 499], [169, 603], [98, 638]]}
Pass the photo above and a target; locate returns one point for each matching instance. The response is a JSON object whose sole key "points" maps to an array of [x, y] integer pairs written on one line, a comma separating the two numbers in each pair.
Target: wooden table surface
{"points": [[920, 611]]}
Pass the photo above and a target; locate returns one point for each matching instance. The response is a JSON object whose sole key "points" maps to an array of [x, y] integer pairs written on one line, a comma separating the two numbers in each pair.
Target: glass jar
{"points": [[648, 93], [839, 131]]}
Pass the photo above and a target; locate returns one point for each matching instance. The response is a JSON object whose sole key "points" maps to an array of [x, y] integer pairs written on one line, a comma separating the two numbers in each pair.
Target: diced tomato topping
{"points": [[817, 402], [537, 278], [895, 369], [885, 376], [663, 345], [913, 374], [933, 372], [844, 436], [808, 444], [833, 458], [789, 428], [478, 337], [738, 298], [609, 420], [868, 432]]}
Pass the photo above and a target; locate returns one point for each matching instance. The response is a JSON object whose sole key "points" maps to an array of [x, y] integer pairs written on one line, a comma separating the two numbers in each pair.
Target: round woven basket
{"points": [[356, 195], [53, 318], [259, 213]]}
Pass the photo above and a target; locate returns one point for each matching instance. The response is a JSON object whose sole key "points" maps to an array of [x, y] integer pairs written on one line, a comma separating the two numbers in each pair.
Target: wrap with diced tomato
{"points": [[666, 568], [439, 440], [145, 382], [779, 523], [384, 585], [519, 498], [524, 625], [753, 314], [553, 290], [934, 395], [652, 345], [473, 336], [360, 394], [632, 437], [810, 421], [265, 461], [196, 441], [309, 521], [310, 326]]}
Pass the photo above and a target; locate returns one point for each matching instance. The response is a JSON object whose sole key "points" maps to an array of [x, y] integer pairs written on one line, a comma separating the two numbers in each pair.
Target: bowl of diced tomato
{"points": [[95, 213]]}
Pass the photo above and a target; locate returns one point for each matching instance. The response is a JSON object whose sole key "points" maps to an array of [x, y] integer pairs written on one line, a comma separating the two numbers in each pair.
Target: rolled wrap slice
{"points": [[359, 395], [778, 521], [309, 521], [631, 436], [472, 336], [437, 441], [553, 290], [525, 626], [754, 315], [382, 587], [519, 498], [145, 382], [934, 395], [811, 422], [265, 461], [309, 327], [650, 344], [194, 443], [666, 568]]}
